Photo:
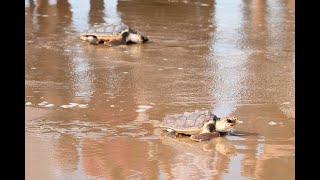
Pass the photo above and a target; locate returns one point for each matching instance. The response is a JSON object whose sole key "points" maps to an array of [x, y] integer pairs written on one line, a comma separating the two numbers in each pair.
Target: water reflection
{"points": [[111, 159], [227, 58], [266, 63], [119, 159], [64, 12], [29, 3], [205, 160], [111, 13], [42, 39], [66, 152], [80, 18], [83, 77], [246, 50], [96, 12]]}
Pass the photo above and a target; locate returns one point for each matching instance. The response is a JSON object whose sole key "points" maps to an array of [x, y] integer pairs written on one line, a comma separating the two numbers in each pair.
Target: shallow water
{"points": [[92, 112]]}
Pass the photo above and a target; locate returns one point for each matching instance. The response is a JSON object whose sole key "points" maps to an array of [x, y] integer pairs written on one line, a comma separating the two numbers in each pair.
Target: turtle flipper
{"points": [[171, 133], [204, 136], [94, 41]]}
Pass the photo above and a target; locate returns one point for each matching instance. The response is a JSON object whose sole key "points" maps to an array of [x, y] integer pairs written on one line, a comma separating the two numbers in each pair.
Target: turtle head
{"points": [[225, 124], [143, 37], [132, 36], [137, 38]]}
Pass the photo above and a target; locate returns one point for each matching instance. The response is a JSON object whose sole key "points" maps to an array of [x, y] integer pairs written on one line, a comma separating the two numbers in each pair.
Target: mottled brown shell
{"points": [[113, 35], [104, 29], [188, 121]]}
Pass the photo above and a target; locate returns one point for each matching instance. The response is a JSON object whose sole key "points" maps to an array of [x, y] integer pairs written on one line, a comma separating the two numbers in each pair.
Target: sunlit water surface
{"points": [[231, 57]]}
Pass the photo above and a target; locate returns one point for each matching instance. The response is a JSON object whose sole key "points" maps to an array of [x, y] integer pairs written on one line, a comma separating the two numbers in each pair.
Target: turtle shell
{"points": [[188, 121], [109, 29], [112, 35]]}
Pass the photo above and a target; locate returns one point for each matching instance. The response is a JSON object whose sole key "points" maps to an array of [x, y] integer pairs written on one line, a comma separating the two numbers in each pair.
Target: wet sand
{"points": [[231, 57]]}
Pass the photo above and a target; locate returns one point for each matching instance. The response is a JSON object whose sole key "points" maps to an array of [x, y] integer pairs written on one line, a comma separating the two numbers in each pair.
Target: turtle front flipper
{"points": [[94, 41], [205, 136], [171, 133]]}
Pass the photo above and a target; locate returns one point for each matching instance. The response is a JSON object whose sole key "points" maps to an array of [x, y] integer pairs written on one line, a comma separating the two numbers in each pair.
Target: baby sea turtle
{"points": [[113, 35], [201, 125]]}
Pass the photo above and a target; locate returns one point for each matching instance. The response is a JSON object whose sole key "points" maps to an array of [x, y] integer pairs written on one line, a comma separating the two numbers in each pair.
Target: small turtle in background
{"points": [[201, 125], [113, 35]]}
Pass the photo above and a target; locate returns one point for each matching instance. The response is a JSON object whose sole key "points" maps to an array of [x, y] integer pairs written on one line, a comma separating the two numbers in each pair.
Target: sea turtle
{"points": [[113, 35], [201, 125]]}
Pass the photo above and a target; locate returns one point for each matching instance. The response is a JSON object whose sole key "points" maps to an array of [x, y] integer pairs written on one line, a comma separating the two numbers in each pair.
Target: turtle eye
{"points": [[144, 38], [229, 120]]}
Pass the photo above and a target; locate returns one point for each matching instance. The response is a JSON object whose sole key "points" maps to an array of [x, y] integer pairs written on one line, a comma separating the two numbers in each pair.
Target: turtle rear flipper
{"points": [[204, 136]]}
